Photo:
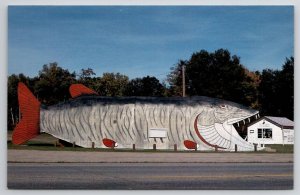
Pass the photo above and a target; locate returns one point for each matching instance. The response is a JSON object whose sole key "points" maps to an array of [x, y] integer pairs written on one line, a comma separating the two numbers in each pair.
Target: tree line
{"points": [[215, 74]]}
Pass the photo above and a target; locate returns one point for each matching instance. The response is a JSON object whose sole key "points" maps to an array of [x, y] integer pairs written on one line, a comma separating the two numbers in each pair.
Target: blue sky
{"points": [[140, 40]]}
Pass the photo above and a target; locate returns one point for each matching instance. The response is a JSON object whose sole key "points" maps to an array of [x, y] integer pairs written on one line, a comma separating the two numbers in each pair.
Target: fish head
{"points": [[231, 113]]}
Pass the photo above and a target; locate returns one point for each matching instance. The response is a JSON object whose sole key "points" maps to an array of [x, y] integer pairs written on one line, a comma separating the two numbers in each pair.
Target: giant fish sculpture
{"points": [[89, 120]]}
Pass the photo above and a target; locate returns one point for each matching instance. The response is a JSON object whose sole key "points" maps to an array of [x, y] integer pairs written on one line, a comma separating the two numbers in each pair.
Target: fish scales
{"points": [[115, 116], [95, 121]]}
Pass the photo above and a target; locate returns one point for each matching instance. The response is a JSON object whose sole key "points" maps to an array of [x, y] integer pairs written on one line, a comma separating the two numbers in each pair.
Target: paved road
{"points": [[150, 176], [36, 156]]}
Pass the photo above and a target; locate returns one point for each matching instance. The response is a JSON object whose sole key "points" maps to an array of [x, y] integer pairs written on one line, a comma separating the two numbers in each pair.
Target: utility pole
{"points": [[183, 81]]}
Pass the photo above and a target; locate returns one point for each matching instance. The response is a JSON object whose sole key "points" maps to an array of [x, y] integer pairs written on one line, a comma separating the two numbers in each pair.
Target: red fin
{"points": [[77, 90], [190, 144], [109, 143], [28, 127]]}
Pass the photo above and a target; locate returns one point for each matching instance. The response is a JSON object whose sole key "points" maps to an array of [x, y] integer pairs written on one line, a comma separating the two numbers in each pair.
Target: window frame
{"points": [[262, 133]]}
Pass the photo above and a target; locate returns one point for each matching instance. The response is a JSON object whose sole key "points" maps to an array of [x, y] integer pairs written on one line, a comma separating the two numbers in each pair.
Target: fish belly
{"points": [[126, 124]]}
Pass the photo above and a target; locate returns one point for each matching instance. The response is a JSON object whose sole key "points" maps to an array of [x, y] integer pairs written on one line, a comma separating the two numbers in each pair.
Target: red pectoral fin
{"points": [[109, 143], [190, 144], [77, 90]]}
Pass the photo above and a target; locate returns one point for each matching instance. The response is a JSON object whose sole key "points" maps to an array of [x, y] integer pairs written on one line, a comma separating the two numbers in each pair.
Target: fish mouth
{"points": [[243, 118]]}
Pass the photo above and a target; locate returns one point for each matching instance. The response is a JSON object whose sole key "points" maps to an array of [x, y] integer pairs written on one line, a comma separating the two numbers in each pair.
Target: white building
{"points": [[271, 130]]}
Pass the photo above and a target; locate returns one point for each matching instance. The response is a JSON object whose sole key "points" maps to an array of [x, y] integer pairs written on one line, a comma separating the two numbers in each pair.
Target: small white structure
{"points": [[271, 130]]}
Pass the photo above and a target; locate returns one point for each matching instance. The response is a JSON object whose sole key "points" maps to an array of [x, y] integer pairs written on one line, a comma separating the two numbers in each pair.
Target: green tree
{"points": [[12, 95], [276, 91], [216, 74], [286, 80], [12, 101], [174, 78], [146, 86], [86, 77], [111, 84], [53, 84], [86, 73]]}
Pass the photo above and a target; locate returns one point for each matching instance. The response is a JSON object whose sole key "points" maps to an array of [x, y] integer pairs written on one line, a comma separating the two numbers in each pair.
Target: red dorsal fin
{"points": [[28, 127], [77, 90]]}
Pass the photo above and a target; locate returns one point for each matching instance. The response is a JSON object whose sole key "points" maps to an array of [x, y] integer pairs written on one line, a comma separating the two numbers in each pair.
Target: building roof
{"points": [[282, 121]]}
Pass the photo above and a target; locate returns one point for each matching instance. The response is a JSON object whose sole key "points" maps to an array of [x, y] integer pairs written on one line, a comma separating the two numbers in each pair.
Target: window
{"points": [[267, 133], [259, 133], [264, 133], [251, 131]]}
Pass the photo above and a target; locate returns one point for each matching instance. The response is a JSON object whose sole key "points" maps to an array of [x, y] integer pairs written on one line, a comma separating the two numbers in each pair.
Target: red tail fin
{"points": [[28, 127]]}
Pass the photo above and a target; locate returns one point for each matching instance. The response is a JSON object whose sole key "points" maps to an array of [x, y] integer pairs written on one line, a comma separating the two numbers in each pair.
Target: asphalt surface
{"points": [[150, 176], [35, 156]]}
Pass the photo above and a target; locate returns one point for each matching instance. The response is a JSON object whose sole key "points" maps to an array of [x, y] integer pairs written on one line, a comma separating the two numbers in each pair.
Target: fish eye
{"points": [[223, 106]]}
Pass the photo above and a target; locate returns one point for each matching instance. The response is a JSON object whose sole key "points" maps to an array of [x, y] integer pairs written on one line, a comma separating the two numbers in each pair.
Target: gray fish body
{"points": [[128, 121]]}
